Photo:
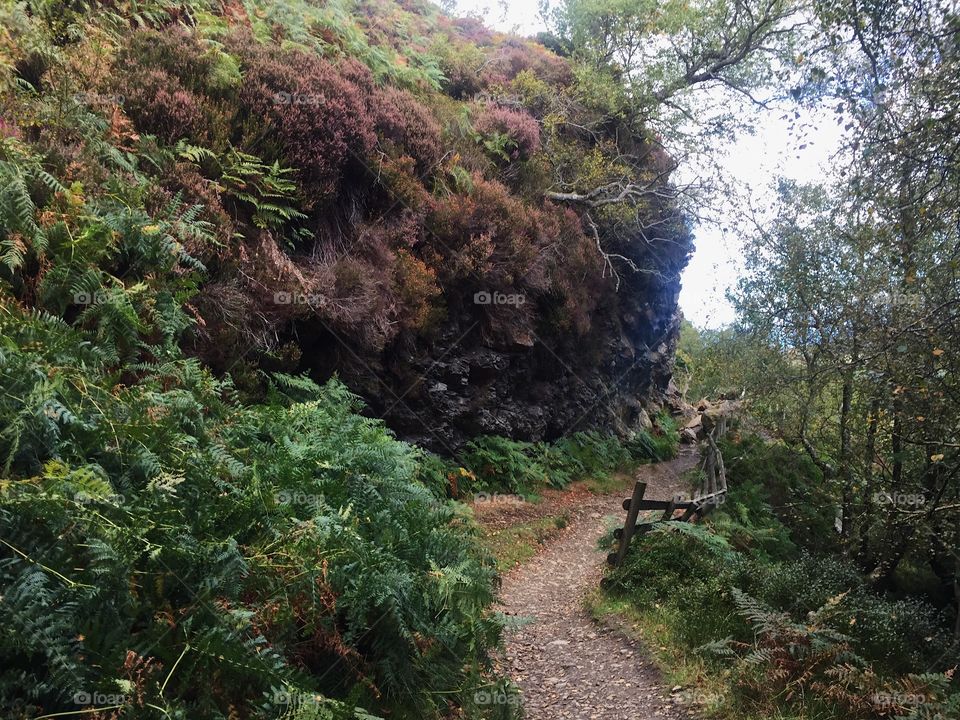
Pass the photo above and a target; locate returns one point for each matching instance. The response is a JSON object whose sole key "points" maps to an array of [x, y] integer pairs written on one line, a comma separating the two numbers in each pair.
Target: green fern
{"points": [[268, 192], [180, 515], [20, 177], [701, 533]]}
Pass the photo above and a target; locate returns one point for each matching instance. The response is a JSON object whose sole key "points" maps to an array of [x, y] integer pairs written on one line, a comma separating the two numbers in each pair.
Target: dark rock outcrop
{"points": [[461, 384]]}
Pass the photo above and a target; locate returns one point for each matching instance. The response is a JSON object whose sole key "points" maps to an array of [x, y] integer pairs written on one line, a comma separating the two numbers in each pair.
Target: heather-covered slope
{"points": [[366, 178], [199, 202]]}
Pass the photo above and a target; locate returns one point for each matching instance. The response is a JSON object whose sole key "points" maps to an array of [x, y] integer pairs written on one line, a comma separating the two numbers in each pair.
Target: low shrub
{"points": [[515, 56], [895, 634], [502, 464], [416, 287], [461, 64], [786, 482], [160, 105], [589, 455], [688, 568], [806, 583], [662, 442], [487, 234], [166, 83], [508, 134], [175, 51], [794, 630], [574, 269], [438, 474], [299, 109], [814, 668], [407, 126]]}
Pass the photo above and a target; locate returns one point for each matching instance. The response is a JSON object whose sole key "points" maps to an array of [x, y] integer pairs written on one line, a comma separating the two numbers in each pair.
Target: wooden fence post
{"points": [[638, 490]]}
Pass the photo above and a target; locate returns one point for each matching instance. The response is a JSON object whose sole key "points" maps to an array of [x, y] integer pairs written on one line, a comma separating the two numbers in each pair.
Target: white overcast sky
{"points": [[753, 161]]}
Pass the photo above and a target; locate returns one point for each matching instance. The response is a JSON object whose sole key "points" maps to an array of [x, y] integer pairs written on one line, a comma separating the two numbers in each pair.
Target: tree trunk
{"points": [[956, 597], [882, 574], [846, 464], [869, 484]]}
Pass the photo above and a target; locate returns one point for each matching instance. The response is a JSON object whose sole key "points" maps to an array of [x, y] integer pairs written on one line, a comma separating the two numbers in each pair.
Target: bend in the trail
{"points": [[567, 665]]}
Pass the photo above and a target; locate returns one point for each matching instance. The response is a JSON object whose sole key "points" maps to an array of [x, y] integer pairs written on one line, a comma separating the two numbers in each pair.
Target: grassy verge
{"points": [[515, 544], [701, 688], [609, 483]]}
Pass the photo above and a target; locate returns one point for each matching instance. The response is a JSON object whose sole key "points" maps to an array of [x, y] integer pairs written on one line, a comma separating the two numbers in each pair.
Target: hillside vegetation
{"points": [[199, 203], [829, 583], [282, 282], [371, 188]]}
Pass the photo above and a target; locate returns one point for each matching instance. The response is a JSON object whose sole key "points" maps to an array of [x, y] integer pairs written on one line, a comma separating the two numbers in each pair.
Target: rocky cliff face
{"points": [[462, 382], [461, 387]]}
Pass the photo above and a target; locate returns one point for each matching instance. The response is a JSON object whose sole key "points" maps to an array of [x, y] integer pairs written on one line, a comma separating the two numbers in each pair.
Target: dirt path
{"points": [[567, 665]]}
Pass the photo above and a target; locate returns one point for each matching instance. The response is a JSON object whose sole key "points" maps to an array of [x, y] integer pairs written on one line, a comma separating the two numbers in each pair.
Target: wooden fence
{"points": [[711, 493]]}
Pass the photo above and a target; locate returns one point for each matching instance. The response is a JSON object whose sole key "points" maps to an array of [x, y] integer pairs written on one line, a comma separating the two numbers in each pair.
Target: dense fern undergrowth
{"points": [[359, 167], [774, 621], [183, 555]]}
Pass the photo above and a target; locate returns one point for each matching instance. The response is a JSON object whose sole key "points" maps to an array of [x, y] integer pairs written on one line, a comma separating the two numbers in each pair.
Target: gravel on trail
{"points": [[566, 664]]}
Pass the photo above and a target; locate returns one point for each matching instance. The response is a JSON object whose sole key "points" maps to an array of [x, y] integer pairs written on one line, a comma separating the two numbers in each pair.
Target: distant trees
{"points": [[855, 286]]}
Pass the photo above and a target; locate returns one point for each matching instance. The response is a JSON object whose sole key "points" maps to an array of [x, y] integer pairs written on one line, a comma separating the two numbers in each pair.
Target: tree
{"points": [[672, 74], [661, 49]]}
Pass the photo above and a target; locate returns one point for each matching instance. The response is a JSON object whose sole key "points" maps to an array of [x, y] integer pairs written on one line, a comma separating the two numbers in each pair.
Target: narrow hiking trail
{"points": [[566, 664]]}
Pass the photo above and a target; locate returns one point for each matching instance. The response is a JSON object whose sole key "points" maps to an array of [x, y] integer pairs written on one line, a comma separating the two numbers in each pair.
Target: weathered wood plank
{"points": [[689, 513], [660, 504], [632, 511], [711, 494], [668, 511]]}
